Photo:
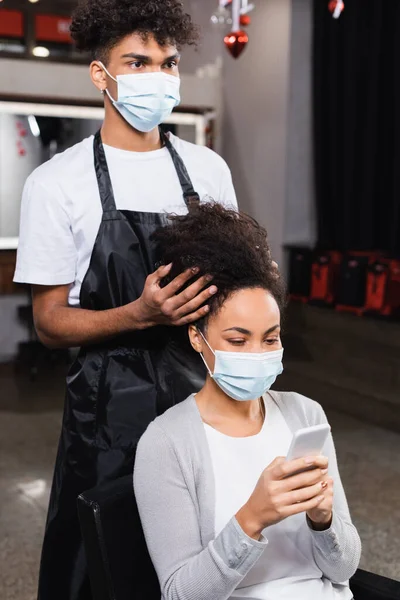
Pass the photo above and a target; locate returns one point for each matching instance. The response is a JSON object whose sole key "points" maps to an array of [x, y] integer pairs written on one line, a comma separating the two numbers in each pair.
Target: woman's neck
{"points": [[117, 132], [231, 417]]}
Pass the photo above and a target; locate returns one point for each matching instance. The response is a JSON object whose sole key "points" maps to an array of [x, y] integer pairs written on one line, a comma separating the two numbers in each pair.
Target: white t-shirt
{"points": [[286, 569], [61, 209]]}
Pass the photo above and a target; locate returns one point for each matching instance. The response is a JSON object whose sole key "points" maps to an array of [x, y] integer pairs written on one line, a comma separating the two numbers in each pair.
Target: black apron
{"points": [[114, 389]]}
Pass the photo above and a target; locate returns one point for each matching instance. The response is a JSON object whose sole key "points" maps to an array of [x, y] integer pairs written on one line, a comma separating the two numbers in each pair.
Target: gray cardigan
{"points": [[174, 487]]}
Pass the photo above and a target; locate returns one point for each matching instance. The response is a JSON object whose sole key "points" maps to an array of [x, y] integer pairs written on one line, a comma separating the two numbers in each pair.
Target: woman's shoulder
{"points": [[173, 427], [308, 411]]}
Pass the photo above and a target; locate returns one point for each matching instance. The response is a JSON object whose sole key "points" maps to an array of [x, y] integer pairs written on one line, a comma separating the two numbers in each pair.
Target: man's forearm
{"points": [[66, 327], [60, 326]]}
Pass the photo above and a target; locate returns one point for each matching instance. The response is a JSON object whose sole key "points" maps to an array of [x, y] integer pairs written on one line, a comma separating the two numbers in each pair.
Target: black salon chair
{"points": [[119, 564]]}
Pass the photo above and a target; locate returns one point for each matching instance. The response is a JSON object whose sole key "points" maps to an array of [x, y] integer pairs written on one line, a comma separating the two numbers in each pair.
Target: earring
{"points": [[102, 91]]}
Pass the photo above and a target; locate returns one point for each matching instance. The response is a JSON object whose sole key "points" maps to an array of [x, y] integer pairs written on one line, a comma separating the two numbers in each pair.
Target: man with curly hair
{"points": [[85, 246]]}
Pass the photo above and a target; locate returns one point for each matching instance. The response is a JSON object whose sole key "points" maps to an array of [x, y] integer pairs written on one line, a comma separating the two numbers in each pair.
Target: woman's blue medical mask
{"points": [[245, 375], [145, 99]]}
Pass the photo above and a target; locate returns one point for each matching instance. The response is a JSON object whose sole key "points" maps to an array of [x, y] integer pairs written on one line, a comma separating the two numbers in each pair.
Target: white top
{"points": [[61, 209], [286, 569]]}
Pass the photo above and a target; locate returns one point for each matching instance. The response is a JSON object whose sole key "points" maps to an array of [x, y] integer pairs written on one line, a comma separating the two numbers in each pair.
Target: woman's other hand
{"points": [[285, 489], [321, 517]]}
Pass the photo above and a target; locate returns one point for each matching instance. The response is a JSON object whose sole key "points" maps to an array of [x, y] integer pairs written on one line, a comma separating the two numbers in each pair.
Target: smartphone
{"points": [[308, 442]]}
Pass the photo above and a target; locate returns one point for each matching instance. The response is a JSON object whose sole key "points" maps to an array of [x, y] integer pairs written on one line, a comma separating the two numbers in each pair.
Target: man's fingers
{"points": [[180, 305], [192, 305], [177, 304], [192, 292], [192, 317], [176, 284], [162, 272]]}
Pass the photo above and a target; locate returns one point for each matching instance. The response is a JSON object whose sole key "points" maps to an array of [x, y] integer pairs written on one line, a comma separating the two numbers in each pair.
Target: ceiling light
{"points": [[41, 52], [33, 1]]}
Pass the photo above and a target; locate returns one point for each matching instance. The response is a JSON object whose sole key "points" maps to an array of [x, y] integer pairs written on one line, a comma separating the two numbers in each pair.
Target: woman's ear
{"points": [[195, 338]]}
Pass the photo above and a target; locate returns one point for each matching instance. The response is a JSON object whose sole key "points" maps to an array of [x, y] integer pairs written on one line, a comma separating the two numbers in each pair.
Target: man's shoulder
{"points": [[196, 153], [65, 165]]}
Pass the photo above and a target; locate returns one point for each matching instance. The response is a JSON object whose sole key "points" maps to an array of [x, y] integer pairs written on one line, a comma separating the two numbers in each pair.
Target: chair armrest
{"points": [[369, 586], [118, 560]]}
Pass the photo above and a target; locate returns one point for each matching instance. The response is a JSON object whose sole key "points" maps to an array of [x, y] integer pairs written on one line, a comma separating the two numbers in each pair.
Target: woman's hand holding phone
{"points": [[283, 490], [321, 516]]}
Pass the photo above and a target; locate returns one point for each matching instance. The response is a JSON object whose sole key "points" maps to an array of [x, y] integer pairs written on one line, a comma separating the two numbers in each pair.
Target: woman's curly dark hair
{"points": [[228, 245], [98, 25]]}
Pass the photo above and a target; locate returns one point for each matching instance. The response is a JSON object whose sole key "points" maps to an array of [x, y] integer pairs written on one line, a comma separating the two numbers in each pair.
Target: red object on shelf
{"points": [[236, 42], [11, 23], [324, 278], [393, 291], [51, 28], [383, 288], [377, 280], [352, 286], [300, 262]]}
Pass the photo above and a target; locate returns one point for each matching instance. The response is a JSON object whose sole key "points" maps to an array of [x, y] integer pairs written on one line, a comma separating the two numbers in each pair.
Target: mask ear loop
{"points": [[202, 356], [111, 77]]}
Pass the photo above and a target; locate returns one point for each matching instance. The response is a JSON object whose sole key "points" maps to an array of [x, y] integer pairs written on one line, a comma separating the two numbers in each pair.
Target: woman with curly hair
{"points": [[224, 514], [86, 221]]}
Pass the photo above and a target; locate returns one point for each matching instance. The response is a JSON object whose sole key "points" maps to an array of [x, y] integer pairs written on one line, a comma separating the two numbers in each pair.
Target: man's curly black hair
{"points": [[98, 25], [230, 246]]}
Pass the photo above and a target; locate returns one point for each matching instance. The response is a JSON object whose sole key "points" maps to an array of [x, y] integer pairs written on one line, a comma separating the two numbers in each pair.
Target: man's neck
{"points": [[116, 132]]}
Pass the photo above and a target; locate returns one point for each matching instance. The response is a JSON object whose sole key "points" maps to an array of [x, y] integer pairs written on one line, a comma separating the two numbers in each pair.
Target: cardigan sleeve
{"points": [[169, 516], [337, 550]]}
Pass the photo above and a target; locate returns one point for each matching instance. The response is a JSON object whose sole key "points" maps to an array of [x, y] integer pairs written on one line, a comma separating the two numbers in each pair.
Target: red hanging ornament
{"points": [[236, 42], [245, 20], [336, 7]]}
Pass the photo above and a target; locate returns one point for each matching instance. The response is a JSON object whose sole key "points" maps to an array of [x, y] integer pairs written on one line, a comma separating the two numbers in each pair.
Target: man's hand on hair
{"points": [[172, 305]]}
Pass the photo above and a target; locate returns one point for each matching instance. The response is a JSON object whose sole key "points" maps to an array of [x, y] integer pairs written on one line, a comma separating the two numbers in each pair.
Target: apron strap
{"points": [[103, 175], [192, 199]]}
